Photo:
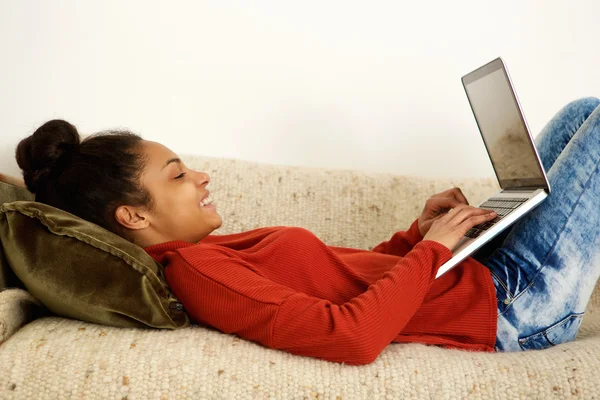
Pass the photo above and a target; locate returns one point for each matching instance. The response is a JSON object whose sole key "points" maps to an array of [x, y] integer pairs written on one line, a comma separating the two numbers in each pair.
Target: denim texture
{"points": [[545, 266]]}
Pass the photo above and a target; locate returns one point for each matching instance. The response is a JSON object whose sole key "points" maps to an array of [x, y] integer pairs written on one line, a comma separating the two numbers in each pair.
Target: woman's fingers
{"points": [[455, 193], [474, 220], [442, 204], [460, 196], [451, 227], [463, 212]]}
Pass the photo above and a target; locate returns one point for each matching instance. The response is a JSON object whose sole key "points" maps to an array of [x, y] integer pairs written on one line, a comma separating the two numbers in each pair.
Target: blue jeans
{"points": [[545, 266]]}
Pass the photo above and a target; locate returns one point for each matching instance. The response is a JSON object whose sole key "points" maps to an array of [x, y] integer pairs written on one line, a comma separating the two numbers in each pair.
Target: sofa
{"points": [[47, 356]]}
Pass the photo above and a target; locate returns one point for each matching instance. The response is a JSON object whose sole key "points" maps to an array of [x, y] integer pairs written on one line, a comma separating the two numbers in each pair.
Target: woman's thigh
{"points": [[547, 264]]}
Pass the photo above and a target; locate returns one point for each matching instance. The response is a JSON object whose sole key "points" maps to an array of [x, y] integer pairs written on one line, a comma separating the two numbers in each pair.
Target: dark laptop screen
{"points": [[502, 127]]}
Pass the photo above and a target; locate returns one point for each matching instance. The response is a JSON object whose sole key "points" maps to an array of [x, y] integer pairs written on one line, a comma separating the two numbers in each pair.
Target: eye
{"points": [[180, 176]]}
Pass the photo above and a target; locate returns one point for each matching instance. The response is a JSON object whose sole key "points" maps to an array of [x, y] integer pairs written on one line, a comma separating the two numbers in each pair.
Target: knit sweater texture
{"points": [[286, 289]]}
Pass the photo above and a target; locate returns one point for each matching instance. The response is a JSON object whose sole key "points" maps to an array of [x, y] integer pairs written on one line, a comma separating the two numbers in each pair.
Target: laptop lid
{"points": [[503, 128]]}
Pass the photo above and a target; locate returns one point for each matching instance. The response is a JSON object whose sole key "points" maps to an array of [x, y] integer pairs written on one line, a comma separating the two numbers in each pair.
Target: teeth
{"points": [[206, 202]]}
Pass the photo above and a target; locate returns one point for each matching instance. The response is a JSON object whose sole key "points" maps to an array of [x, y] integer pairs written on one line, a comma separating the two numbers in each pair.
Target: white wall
{"points": [[363, 85]]}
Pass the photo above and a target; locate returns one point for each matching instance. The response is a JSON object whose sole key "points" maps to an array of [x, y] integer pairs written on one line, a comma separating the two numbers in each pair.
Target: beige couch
{"points": [[57, 358]]}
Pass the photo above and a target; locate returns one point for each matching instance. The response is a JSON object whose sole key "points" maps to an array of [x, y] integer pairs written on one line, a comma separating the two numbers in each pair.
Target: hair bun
{"points": [[38, 155]]}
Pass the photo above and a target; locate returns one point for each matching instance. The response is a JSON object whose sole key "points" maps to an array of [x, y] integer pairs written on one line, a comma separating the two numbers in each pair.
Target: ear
{"points": [[132, 217]]}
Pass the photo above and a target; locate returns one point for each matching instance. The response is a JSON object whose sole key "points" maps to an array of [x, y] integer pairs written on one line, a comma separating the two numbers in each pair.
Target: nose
{"points": [[202, 178]]}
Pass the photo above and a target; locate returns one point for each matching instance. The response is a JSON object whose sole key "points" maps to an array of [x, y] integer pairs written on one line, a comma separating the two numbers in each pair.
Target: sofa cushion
{"points": [[80, 270], [10, 193], [17, 308]]}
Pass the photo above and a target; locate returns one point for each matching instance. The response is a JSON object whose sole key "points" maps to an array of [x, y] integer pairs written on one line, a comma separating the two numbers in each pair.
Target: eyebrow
{"points": [[172, 160]]}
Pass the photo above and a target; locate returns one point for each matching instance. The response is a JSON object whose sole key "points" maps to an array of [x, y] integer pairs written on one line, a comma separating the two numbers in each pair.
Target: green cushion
{"points": [[80, 270], [8, 194]]}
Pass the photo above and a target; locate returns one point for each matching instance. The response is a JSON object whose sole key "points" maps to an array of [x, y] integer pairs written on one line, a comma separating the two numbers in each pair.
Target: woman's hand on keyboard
{"points": [[438, 205], [452, 226]]}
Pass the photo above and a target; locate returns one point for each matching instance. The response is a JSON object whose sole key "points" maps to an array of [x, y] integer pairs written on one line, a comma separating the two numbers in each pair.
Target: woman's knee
{"points": [[579, 110]]}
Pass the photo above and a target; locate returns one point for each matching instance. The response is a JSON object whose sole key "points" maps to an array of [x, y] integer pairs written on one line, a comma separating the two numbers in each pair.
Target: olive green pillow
{"points": [[80, 270], [8, 194]]}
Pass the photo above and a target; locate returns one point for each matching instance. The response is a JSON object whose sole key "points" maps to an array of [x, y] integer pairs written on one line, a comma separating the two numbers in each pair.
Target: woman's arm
{"points": [[224, 293], [401, 242], [13, 180]]}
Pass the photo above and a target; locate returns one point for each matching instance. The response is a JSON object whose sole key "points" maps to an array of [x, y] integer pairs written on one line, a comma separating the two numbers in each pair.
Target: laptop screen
{"points": [[502, 127]]}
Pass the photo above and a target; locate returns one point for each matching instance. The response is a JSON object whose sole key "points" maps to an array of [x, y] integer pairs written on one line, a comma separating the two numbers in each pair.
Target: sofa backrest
{"points": [[349, 208]]}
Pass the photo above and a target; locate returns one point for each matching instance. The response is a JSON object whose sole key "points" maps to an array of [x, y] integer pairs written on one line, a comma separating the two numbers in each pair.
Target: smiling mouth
{"points": [[206, 201]]}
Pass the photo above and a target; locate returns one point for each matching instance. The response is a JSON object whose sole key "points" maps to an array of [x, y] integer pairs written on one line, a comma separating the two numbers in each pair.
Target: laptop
{"points": [[511, 149]]}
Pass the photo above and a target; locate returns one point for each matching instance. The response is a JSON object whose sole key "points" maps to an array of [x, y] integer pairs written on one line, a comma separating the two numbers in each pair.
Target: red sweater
{"points": [[285, 289]]}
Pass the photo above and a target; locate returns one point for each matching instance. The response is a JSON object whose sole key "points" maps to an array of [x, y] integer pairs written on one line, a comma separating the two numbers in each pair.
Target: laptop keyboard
{"points": [[502, 205]]}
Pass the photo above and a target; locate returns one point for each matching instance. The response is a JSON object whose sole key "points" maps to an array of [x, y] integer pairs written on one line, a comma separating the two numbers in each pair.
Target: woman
{"points": [[284, 288]]}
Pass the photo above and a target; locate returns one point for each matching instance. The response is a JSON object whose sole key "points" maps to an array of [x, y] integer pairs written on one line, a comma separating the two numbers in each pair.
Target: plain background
{"points": [[371, 85]]}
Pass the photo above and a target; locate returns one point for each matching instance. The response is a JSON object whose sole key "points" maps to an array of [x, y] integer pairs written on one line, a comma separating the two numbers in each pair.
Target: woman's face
{"points": [[177, 191]]}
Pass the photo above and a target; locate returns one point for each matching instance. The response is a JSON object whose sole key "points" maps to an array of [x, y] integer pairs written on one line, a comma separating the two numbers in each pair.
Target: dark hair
{"points": [[89, 178]]}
